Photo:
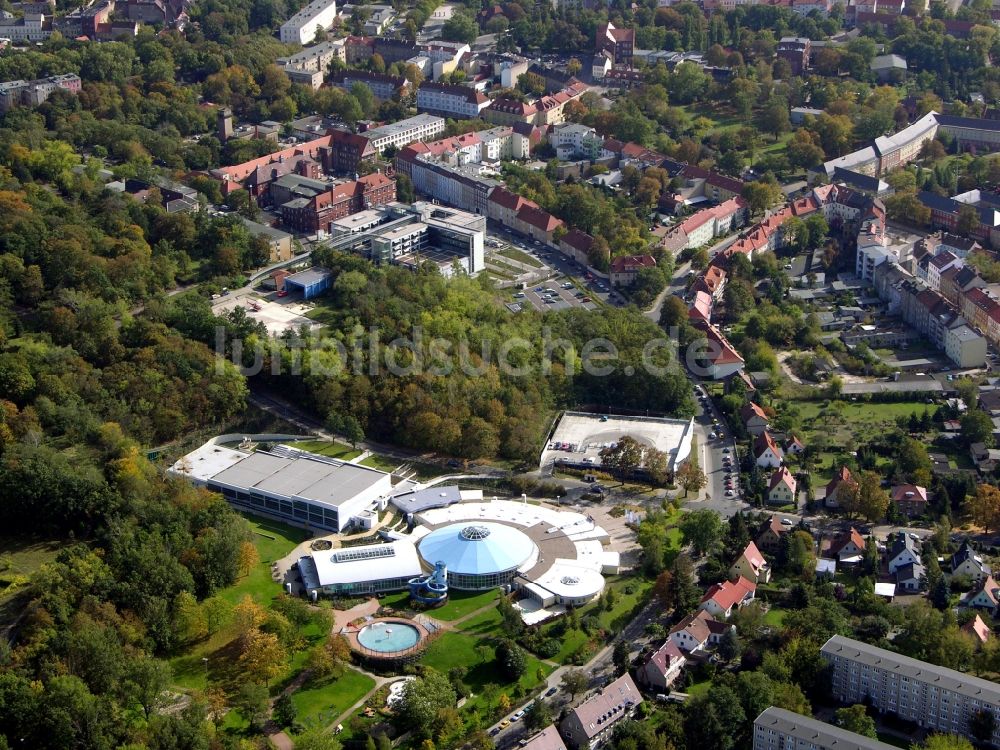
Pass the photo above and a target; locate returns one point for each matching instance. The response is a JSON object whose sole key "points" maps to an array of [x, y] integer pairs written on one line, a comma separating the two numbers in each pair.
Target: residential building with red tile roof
{"points": [[713, 281], [721, 599], [698, 631], [751, 565], [717, 357], [842, 477], [769, 538], [662, 667], [848, 547], [754, 418], [985, 596], [577, 245], [701, 308], [910, 499], [978, 630], [766, 452], [782, 488], [625, 268]]}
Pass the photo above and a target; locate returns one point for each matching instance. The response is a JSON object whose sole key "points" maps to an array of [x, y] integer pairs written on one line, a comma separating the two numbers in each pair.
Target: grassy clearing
{"points": [[461, 603], [575, 642], [328, 448], [382, 463], [212, 660], [458, 650], [483, 624], [19, 558], [520, 256], [319, 705], [775, 617], [698, 688]]}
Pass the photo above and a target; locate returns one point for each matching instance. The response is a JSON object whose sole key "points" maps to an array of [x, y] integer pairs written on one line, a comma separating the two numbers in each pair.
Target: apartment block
{"points": [[404, 132], [31, 27], [382, 86], [935, 698], [33, 93], [462, 102], [301, 28], [780, 729], [309, 66]]}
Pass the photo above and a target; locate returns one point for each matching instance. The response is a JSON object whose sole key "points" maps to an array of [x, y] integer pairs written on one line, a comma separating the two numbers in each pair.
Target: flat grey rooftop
{"points": [[317, 479]]}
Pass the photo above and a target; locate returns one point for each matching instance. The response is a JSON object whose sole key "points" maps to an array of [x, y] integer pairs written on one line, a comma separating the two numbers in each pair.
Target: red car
{"points": [[283, 292]]}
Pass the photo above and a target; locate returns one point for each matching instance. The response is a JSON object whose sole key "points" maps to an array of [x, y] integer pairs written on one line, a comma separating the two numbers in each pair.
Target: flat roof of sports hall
{"points": [[286, 472]]}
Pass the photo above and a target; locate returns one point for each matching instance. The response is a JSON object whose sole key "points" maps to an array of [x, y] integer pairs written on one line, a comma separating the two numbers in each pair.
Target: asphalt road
{"points": [[712, 457]]}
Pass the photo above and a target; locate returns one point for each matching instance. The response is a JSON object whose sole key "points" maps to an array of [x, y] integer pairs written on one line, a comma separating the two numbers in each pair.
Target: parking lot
{"points": [[567, 282], [555, 295]]}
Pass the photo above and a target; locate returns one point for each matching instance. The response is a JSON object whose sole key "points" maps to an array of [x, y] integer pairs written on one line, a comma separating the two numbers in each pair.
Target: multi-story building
{"points": [[903, 147], [662, 667], [618, 43], [971, 133], [573, 140], [382, 86], [795, 50], [309, 67], [930, 696], [404, 132], [625, 269], [280, 243], [319, 211], [446, 237], [448, 100], [301, 28], [780, 729], [33, 93], [31, 27], [590, 724]]}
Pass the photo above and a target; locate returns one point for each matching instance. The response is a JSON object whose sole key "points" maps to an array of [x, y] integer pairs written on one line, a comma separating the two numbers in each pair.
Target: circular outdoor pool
{"points": [[388, 637]]}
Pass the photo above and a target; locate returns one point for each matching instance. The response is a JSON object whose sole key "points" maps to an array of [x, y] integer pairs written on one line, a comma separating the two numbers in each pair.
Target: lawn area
{"points": [[612, 620], [834, 425], [273, 541], [212, 659], [483, 624], [327, 448], [698, 688], [319, 705], [461, 603], [775, 617], [452, 650], [19, 558], [383, 463], [519, 255]]}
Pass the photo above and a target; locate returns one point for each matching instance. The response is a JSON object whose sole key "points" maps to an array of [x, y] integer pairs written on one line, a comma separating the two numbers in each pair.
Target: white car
{"points": [[711, 436], [729, 493], [786, 522]]}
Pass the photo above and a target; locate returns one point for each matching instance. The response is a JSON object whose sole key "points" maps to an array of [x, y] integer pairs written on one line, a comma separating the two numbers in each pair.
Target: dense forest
{"points": [[475, 411], [84, 383]]}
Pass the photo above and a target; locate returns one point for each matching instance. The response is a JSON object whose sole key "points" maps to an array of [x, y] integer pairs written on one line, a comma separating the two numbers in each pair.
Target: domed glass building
{"points": [[478, 555]]}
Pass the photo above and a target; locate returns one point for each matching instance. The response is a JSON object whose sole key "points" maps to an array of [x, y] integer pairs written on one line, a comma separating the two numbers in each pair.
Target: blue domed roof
{"points": [[475, 548]]}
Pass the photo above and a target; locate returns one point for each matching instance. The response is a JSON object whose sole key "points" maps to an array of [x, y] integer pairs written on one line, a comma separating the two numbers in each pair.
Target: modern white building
{"points": [[405, 132], [573, 140], [286, 483], [301, 28]]}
